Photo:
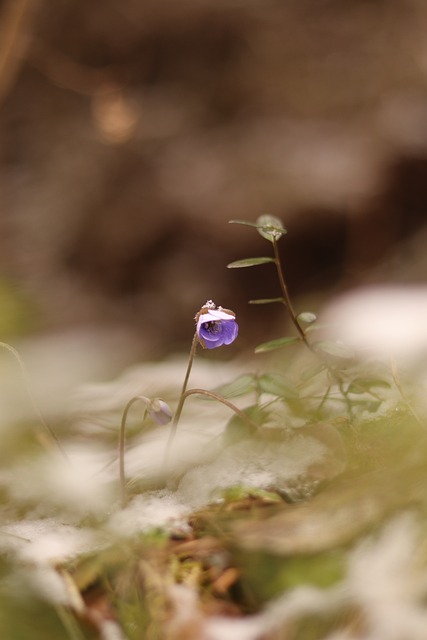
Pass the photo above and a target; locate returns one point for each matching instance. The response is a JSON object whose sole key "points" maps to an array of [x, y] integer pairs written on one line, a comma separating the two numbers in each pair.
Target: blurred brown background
{"points": [[131, 132]]}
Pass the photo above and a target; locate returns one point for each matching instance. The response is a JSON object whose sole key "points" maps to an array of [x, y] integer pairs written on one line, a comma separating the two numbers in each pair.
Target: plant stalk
{"points": [[122, 477], [51, 443], [230, 405], [285, 294], [181, 401]]}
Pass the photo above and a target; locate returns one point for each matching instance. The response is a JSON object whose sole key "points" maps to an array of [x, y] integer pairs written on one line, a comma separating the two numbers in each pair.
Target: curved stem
{"points": [[123, 494], [230, 405], [27, 383], [181, 398]]}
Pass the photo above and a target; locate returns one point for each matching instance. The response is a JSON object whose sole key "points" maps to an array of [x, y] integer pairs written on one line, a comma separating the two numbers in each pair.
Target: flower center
{"points": [[212, 327]]}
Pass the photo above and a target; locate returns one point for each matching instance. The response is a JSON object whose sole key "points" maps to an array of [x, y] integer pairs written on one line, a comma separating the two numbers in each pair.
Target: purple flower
{"points": [[216, 326]]}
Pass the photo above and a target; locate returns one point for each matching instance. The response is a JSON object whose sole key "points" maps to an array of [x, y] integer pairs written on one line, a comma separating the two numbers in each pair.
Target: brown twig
{"points": [[13, 41]]}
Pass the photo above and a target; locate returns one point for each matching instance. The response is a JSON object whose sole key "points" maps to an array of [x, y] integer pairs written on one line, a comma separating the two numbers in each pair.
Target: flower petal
{"points": [[215, 334], [214, 315], [222, 314], [230, 331], [159, 411]]}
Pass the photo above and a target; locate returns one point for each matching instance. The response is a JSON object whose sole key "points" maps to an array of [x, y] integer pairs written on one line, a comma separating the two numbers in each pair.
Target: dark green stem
{"points": [[285, 295], [324, 398], [293, 316], [344, 393]]}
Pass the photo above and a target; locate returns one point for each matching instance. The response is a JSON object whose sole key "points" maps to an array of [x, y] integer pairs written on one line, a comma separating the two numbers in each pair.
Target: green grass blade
{"points": [[278, 343]]}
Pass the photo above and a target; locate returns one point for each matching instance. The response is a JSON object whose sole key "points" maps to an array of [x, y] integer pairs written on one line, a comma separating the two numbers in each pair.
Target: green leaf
{"points": [[318, 326], [240, 492], [312, 372], [363, 385], [270, 227], [238, 387], [307, 316], [249, 262], [277, 385], [336, 349], [265, 300], [244, 222], [278, 343], [237, 428]]}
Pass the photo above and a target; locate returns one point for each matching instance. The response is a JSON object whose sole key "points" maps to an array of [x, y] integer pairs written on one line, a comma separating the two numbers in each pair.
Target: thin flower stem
{"points": [[123, 493], [285, 294], [230, 405], [27, 383], [181, 401]]}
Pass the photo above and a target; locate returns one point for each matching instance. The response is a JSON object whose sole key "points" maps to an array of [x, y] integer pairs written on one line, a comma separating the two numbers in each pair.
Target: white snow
{"points": [[381, 320]]}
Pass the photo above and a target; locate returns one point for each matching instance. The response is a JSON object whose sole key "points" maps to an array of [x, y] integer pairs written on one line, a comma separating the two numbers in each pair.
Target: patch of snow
{"points": [[54, 481], [251, 463], [48, 584], [383, 321], [161, 508], [388, 581], [46, 540]]}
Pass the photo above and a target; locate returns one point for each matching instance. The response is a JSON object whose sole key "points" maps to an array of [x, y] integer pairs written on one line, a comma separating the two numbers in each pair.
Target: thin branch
{"points": [[13, 39], [27, 383], [230, 405], [122, 476], [181, 401]]}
